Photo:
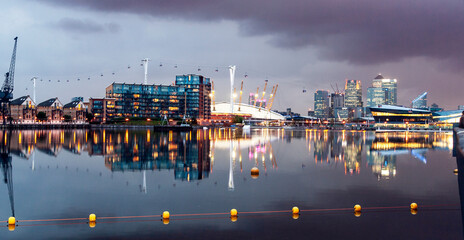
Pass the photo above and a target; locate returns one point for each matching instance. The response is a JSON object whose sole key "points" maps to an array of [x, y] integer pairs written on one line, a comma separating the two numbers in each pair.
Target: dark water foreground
{"points": [[59, 174]]}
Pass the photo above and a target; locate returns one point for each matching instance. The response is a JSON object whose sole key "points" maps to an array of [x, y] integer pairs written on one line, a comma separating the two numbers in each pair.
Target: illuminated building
{"points": [[420, 101], [23, 110], [391, 88], [321, 104], [102, 109], [451, 116], [376, 96], [189, 96], [76, 110], [353, 94], [395, 115], [52, 108]]}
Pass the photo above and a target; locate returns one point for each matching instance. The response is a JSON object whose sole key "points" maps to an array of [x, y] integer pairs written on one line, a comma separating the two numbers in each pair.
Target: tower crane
{"points": [[6, 92]]}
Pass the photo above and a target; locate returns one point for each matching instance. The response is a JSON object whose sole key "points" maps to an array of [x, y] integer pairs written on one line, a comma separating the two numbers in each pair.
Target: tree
{"points": [[89, 117], [237, 119], [67, 118], [41, 116]]}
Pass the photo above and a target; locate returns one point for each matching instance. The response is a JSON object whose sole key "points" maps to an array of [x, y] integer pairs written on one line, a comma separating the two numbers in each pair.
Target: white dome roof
{"points": [[255, 112]]}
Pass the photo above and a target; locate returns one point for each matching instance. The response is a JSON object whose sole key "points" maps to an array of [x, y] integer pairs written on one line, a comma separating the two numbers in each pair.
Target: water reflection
{"points": [[192, 154]]}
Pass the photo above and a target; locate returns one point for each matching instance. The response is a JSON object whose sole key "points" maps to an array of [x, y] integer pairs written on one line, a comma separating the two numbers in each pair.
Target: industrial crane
{"points": [[6, 92]]}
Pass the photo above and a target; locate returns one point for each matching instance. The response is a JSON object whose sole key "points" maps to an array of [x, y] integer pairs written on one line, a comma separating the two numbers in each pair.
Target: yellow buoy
{"points": [[166, 215], [11, 221], [413, 211], [254, 173], [414, 205], [357, 214], [92, 224], [295, 210], [456, 171], [357, 208], [165, 221], [233, 212], [233, 218], [11, 227], [92, 217], [295, 216]]}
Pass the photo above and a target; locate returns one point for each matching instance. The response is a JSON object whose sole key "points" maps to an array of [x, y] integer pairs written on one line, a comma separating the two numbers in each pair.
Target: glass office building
{"points": [[190, 96]]}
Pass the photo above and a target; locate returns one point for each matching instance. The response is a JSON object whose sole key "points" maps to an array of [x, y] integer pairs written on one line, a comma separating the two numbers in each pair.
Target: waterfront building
{"points": [[190, 97], [461, 107], [391, 88], [321, 104], [76, 110], [23, 110], [420, 101], [197, 95], [102, 109], [53, 109], [451, 116], [353, 93], [400, 116]]}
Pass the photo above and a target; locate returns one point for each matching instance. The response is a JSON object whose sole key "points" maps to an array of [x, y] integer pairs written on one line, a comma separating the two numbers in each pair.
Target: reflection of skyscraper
{"points": [[352, 155], [383, 166]]}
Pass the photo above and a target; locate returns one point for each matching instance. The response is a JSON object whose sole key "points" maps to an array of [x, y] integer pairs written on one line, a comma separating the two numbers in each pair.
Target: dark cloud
{"points": [[356, 31], [86, 26]]}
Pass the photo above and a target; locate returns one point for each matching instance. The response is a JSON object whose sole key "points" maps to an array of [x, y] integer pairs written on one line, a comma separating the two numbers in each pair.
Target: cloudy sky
{"points": [[300, 45]]}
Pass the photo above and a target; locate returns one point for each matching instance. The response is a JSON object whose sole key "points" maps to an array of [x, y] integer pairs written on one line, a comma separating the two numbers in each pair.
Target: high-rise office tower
{"points": [[390, 85], [420, 101], [321, 104], [353, 93]]}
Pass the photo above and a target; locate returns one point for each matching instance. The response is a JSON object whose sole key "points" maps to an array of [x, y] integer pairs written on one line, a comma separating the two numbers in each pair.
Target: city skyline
{"points": [[296, 49]]}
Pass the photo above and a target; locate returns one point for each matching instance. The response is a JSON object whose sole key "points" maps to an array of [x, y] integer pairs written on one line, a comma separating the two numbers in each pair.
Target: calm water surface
{"points": [[70, 174]]}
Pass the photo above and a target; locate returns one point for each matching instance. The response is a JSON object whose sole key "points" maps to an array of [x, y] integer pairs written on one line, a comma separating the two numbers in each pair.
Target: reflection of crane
{"points": [[6, 93], [5, 159]]}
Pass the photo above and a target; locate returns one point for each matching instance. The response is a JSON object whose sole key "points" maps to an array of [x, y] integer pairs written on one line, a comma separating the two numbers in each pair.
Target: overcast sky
{"points": [[297, 44]]}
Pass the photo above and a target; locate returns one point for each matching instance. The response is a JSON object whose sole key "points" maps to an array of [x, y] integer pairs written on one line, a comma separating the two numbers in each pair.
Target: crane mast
{"points": [[6, 93], [240, 99]]}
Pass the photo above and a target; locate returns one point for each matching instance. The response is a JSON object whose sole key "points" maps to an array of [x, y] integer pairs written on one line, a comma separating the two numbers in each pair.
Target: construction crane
{"points": [[271, 100], [6, 93], [240, 98]]}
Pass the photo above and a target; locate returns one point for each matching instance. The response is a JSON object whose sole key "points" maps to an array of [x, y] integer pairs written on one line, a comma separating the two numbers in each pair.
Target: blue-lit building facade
{"points": [[190, 97]]}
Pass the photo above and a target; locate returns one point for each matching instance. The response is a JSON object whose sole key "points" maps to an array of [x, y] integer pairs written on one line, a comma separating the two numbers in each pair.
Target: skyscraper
{"points": [[390, 85], [420, 101], [353, 94], [321, 104], [376, 96], [337, 101]]}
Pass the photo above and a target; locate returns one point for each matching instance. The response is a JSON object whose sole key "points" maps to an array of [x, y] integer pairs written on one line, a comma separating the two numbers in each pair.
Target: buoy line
{"points": [[233, 215]]}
